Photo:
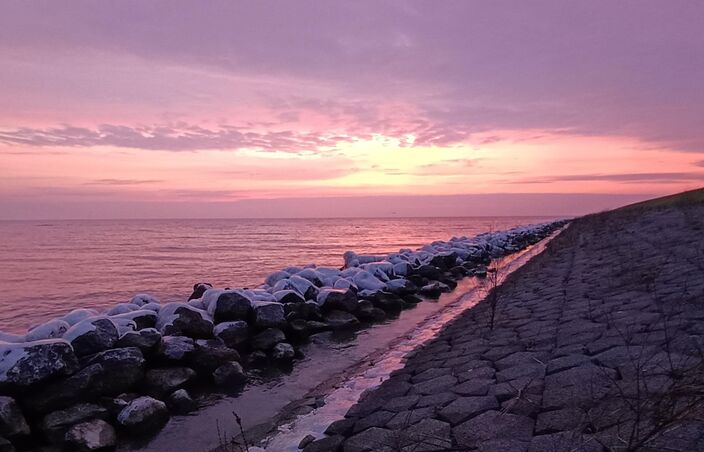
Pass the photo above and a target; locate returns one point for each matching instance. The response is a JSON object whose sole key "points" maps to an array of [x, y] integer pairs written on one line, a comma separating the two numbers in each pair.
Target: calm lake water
{"points": [[48, 268]]}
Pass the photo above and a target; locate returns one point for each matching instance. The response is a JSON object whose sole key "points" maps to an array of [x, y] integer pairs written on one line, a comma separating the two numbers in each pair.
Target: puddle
{"points": [[336, 368]]}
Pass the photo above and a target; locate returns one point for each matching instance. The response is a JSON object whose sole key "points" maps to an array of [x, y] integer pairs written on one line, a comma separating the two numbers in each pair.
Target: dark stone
{"points": [[340, 427], [92, 336], [142, 318], [28, 363], [388, 302], [269, 315], [316, 327], [144, 415], [161, 382], [230, 375], [368, 312], [466, 407], [376, 419], [493, 425], [429, 272], [372, 439], [180, 402], [341, 320], [209, 354], [175, 348], [6, 446], [327, 444], [298, 329], [432, 290], [147, 340], [230, 306], [444, 260], [232, 334], [180, 319], [305, 441], [337, 299], [95, 434], [288, 296], [199, 289], [12, 421], [55, 424], [267, 339], [283, 352]]}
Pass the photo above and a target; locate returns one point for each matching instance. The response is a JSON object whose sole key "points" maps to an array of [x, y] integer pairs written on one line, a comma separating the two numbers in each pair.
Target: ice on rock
{"points": [[381, 270], [275, 277], [184, 319], [11, 338], [142, 299], [366, 281], [343, 283], [78, 315], [311, 275], [353, 259], [92, 335], [52, 329], [303, 286], [152, 307], [122, 308], [402, 268]]}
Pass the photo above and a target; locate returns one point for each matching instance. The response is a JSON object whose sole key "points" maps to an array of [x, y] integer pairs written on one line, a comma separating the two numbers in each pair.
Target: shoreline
{"points": [[164, 351], [597, 346]]}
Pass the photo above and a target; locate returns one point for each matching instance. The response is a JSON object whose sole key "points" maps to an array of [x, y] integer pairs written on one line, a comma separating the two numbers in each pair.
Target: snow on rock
{"points": [[366, 281], [142, 298], [52, 329], [92, 335], [12, 338], [288, 296], [353, 259], [32, 362], [402, 268], [77, 315], [95, 434], [145, 339], [232, 334], [156, 307], [275, 277], [337, 299], [122, 308], [142, 318]]}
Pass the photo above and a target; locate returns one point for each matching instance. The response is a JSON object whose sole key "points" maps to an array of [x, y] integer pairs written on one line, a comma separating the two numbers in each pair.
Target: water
{"points": [[48, 268]]}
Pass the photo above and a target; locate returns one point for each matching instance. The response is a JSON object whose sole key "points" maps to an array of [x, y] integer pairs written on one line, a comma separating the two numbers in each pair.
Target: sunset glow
{"points": [[372, 100]]}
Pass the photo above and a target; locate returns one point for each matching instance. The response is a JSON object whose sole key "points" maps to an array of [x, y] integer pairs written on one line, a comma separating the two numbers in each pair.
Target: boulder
{"points": [[366, 281], [311, 275], [147, 340], [199, 289], [181, 402], [175, 348], [230, 305], [269, 314], [275, 277], [340, 320], [78, 315], [388, 302], [368, 312], [337, 299], [288, 296], [304, 287], [28, 363], [143, 415], [181, 319], [56, 424], [12, 421], [52, 329], [401, 287], [432, 290], [121, 308], [232, 334], [95, 434], [92, 335], [283, 352], [142, 299], [6, 446], [161, 382], [142, 318], [402, 268], [267, 339], [298, 329], [429, 271], [444, 260], [230, 375], [209, 354], [107, 373]]}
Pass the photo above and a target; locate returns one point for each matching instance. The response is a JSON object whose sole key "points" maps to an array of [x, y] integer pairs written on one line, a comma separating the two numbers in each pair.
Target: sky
{"points": [[316, 108]]}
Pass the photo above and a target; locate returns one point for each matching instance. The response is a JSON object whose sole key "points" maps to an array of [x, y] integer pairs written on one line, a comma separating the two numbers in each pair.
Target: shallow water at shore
{"points": [[51, 267], [352, 364]]}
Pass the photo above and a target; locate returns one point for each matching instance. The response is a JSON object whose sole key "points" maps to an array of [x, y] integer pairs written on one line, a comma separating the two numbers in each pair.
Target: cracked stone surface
{"points": [[610, 313]]}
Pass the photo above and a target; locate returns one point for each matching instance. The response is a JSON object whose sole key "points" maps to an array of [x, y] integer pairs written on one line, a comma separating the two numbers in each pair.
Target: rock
{"points": [[180, 402], [298, 329], [92, 335], [401, 287], [121, 308], [232, 334], [429, 271], [327, 444], [340, 320], [209, 354], [180, 319], [366, 281], [466, 407], [144, 415], [95, 434], [387, 302], [267, 339], [305, 441], [230, 375], [304, 287], [160, 382], [275, 277], [12, 421], [6, 446], [432, 290], [283, 352], [493, 425], [199, 289], [147, 340], [230, 305], [55, 424], [372, 439], [340, 427], [288, 296], [269, 314], [142, 299], [52, 329], [256, 358], [444, 260], [366, 311], [176, 348], [108, 373], [337, 299], [316, 327], [142, 318], [28, 363]]}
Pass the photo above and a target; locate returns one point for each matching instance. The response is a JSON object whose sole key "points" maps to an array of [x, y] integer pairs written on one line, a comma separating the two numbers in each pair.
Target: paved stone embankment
{"points": [[597, 345]]}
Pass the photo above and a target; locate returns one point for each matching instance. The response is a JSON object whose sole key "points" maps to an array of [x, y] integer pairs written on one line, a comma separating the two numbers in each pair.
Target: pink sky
{"points": [[315, 108]]}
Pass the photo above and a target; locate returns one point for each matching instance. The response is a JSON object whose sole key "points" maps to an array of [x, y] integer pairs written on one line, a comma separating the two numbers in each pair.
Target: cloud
{"points": [[181, 137], [699, 163], [125, 182], [665, 177]]}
